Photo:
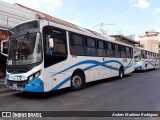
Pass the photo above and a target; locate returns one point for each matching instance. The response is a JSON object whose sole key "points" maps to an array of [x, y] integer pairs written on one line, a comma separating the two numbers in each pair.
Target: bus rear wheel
{"points": [[77, 81], [121, 73]]}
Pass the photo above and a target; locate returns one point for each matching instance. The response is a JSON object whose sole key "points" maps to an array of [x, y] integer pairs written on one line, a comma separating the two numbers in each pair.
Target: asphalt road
{"points": [[138, 91]]}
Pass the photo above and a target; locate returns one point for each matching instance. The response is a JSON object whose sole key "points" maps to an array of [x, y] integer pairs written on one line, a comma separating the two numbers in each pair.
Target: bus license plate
{"points": [[15, 85]]}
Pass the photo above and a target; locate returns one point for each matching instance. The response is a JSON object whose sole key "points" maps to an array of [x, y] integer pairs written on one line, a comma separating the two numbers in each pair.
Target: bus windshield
{"points": [[137, 58], [25, 49], [137, 51]]}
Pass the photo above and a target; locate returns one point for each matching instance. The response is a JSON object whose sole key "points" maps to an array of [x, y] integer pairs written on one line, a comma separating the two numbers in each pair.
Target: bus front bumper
{"points": [[138, 68], [36, 85]]}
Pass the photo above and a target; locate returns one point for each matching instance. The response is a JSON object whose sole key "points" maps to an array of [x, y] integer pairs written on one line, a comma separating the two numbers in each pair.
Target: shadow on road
{"points": [[48, 95], [142, 71], [41, 96], [106, 80]]}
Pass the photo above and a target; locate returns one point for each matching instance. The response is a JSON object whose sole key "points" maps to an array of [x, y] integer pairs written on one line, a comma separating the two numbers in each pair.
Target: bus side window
{"points": [[110, 52], [101, 48], [76, 44], [143, 55], [117, 51], [131, 52], [128, 52], [123, 51], [91, 47]]}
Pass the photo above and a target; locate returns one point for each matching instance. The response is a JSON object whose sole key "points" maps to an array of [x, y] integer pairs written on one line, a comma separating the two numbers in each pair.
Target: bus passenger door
{"points": [[55, 48]]}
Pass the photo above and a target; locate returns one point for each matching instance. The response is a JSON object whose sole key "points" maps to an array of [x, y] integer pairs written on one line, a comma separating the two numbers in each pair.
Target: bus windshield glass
{"points": [[25, 49], [25, 27], [137, 51], [137, 58]]}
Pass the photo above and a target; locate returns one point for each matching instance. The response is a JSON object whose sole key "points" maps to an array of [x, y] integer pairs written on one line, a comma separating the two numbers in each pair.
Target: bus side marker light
{"points": [[55, 79]]}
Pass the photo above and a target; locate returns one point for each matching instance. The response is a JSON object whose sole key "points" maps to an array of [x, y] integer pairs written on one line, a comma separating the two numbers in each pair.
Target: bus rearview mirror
{"points": [[4, 48]]}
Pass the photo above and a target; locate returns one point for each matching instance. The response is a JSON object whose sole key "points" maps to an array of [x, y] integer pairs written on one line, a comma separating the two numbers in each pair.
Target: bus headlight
{"points": [[31, 78], [37, 74], [34, 76]]}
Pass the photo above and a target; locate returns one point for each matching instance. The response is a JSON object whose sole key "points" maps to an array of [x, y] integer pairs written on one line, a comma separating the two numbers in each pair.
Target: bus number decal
{"points": [[124, 60]]}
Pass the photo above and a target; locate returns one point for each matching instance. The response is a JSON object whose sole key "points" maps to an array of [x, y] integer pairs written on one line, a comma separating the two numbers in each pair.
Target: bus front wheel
{"points": [[77, 81]]}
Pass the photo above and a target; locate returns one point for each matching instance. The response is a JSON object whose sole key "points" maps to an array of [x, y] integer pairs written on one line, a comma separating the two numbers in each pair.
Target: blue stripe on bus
{"points": [[153, 63], [88, 68], [77, 64], [62, 83], [101, 64], [95, 64], [130, 64], [36, 85], [139, 68]]}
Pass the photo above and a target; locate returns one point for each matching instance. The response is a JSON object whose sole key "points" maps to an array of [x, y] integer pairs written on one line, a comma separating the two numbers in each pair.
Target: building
{"points": [[63, 22], [151, 41], [14, 14], [126, 40], [3, 36], [10, 16]]}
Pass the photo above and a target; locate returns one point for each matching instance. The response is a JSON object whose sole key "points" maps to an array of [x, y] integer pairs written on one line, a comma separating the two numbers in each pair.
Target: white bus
{"points": [[145, 59], [45, 56]]}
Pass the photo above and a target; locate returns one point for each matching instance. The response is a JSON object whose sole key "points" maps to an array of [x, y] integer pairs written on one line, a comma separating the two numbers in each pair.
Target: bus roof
{"points": [[89, 34], [145, 49]]}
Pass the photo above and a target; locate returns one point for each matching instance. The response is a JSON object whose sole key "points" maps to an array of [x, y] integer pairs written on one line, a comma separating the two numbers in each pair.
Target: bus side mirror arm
{"points": [[2, 48]]}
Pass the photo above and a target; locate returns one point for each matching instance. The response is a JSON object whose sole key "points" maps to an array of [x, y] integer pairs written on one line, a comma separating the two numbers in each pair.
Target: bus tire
{"points": [[77, 81], [121, 73]]}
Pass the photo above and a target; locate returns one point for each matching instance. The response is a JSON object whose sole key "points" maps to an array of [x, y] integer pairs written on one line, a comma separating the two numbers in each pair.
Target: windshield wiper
{"points": [[12, 32]]}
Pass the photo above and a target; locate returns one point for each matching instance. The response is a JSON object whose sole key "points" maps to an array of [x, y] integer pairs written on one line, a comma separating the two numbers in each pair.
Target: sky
{"points": [[127, 17]]}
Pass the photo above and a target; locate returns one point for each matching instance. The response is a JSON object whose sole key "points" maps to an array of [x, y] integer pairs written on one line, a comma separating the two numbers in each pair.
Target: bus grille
{"points": [[20, 84]]}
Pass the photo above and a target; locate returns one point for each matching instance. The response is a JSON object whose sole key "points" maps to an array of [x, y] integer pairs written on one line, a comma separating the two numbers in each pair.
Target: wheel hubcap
{"points": [[76, 81]]}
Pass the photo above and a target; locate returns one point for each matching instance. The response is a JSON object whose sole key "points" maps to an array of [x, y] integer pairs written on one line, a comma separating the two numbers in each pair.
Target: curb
{"points": [[5, 91], [2, 88], [2, 81]]}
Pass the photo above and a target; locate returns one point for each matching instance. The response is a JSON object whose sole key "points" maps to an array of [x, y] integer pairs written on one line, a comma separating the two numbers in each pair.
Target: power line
{"points": [[101, 25]]}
